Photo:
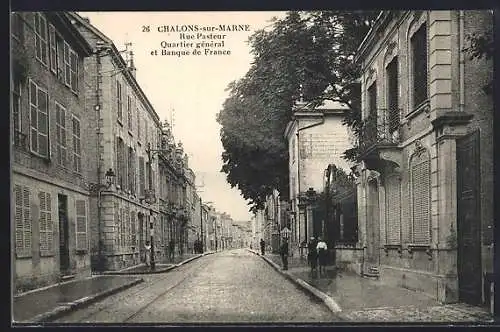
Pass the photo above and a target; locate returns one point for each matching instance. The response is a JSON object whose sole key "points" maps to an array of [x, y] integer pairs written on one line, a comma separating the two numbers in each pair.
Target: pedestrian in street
{"points": [[322, 250], [284, 253], [312, 256], [262, 246], [147, 252], [171, 249]]}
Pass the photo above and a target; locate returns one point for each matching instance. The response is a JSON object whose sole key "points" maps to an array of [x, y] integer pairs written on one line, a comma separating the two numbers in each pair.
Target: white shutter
{"points": [[81, 225]]}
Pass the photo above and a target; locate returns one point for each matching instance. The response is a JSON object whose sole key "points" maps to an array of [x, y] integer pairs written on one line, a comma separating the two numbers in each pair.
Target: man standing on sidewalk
{"points": [[262, 246], [284, 253]]}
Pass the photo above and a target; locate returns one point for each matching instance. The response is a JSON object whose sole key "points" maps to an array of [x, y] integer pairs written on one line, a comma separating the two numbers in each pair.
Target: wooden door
{"points": [[468, 219]]}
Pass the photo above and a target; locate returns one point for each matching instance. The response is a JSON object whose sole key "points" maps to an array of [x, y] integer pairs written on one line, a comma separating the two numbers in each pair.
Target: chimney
{"points": [[131, 66]]}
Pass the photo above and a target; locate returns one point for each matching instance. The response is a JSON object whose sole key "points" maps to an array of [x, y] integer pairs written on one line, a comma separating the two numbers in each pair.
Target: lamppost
{"points": [[151, 232], [98, 188]]}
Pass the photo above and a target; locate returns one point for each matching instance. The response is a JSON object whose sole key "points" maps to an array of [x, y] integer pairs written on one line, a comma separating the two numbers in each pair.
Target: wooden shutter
{"points": [[133, 228], [81, 225], [46, 224], [23, 221], [117, 224], [141, 176], [393, 210], [421, 190]]}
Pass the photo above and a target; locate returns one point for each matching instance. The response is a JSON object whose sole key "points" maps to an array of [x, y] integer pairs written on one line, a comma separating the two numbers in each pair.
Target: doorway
{"points": [[64, 261], [140, 217], [372, 225], [468, 219]]}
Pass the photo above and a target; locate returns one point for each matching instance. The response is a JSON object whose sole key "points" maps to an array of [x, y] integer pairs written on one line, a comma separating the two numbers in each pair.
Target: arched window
{"points": [[393, 209], [420, 190]]}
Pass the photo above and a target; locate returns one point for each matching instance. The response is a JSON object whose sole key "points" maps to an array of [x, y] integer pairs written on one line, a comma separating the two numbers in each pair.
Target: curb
{"points": [[327, 300], [63, 309], [173, 266]]}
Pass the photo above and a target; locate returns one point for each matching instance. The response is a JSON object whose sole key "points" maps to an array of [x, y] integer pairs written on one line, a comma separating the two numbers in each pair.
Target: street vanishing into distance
{"points": [[229, 286]]}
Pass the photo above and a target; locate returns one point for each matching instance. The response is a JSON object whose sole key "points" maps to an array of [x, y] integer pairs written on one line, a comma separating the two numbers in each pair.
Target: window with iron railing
{"points": [[419, 66], [376, 129], [392, 95]]}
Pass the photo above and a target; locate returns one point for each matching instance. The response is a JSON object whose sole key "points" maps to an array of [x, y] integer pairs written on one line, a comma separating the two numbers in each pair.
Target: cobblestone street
{"points": [[232, 286]]}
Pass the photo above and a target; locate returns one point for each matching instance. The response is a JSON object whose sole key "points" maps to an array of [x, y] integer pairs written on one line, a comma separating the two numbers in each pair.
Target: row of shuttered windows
{"points": [[420, 194], [24, 222], [127, 228]]}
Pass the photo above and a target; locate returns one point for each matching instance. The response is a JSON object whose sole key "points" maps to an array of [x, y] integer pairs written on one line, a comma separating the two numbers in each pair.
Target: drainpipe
{"points": [[298, 164], [100, 260], [461, 105]]}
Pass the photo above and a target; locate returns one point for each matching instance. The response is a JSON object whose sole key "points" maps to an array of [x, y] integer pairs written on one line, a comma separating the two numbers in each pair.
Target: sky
{"points": [[189, 90]]}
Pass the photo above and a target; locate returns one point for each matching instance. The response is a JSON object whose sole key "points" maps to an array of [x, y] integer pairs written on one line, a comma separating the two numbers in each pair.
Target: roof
{"points": [[80, 43]]}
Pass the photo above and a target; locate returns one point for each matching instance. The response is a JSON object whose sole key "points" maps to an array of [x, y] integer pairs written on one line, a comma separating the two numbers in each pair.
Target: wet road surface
{"points": [[232, 286]]}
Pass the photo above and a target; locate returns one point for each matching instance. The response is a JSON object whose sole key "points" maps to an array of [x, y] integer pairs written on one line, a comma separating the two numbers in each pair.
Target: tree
{"points": [[482, 46], [306, 55]]}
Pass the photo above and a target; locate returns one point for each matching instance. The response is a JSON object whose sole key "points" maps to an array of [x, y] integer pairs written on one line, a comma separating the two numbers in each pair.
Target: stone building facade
{"points": [[316, 138], [425, 181], [130, 141], [49, 123]]}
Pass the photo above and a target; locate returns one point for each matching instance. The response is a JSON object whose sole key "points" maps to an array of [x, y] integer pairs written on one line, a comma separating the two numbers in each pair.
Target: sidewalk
{"points": [[160, 267], [365, 300], [39, 305], [50, 302]]}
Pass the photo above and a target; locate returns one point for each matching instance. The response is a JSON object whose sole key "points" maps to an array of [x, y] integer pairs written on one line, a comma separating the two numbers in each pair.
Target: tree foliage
{"points": [[482, 46], [305, 55]]}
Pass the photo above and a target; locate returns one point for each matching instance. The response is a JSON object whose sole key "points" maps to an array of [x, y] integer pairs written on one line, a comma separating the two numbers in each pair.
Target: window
{"points": [[122, 227], [41, 38], [23, 221], [119, 100], [128, 236], [131, 170], [17, 26], [61, 134], [46, 225], [133, 228], [141, 177], [371, 124], [53, 48], [121, 165], [70, 67], [129, 113], [393, 210], [421, 191], [138, 124], [77, 152], [73, 59], [148, 175], [117, 224], [372, 100], [419, 65], [393, 94], [39, 120], [16, 104], [81, 225]]}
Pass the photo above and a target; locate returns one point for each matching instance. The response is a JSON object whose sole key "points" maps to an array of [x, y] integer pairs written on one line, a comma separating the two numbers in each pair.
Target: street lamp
{"points": [[151, 232]]}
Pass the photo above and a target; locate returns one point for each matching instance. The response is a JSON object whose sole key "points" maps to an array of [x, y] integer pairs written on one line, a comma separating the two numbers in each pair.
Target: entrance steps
{"points": [[67, 277], [372, 273]]}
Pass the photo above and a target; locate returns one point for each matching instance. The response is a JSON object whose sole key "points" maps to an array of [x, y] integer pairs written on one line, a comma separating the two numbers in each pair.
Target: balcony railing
{"points": [[382, 129], [20, 140]]}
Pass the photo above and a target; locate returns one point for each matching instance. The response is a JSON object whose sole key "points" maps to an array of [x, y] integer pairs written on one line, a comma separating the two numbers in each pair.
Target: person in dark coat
{"points": [[312, 256], [262, 246], [284, 253], [322, 250], [171, 249]]}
